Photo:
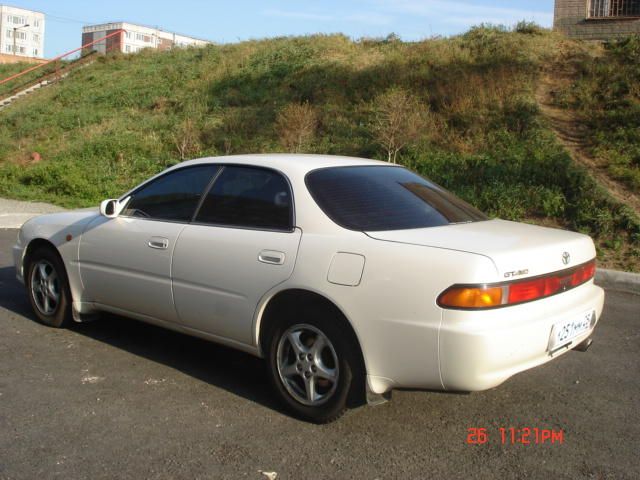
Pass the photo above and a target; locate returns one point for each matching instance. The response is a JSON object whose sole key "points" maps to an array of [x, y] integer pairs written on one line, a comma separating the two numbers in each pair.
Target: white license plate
{"points": [[563, 332]]}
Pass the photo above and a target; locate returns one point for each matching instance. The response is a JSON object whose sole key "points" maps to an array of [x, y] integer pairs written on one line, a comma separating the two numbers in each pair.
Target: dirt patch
{"points": [[573, 134]]}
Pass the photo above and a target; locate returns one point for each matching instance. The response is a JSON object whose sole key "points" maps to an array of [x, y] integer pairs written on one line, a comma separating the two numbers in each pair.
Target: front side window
{"points": [[174, 196], [385, 198], [249, 197]]}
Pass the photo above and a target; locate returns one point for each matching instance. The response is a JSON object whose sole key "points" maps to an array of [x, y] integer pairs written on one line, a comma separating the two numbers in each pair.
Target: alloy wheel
{"points": [[307, 364], [45, 287]]}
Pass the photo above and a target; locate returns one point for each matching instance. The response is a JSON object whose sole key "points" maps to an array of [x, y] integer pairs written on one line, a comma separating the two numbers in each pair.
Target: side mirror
{"points": [[111, 208]]}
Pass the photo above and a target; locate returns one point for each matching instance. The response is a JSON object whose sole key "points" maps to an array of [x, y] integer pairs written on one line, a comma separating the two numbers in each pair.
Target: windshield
{"points": [[379, 198]]}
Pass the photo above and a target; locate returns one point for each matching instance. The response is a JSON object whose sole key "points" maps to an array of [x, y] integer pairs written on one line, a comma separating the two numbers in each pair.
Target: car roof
{"points": [[291, 164]]}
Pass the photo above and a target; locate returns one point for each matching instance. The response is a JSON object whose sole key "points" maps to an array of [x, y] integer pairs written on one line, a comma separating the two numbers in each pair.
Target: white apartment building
{"points": [[135, 38], [21, 32]]}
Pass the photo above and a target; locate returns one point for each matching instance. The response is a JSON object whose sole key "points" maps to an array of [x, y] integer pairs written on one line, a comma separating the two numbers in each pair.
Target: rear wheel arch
{"points": [[293, 301]]}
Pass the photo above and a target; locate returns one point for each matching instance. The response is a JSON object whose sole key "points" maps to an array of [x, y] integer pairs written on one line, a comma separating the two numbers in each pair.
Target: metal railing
{"points": [[54, 75], [57, 60], [614, 8]]}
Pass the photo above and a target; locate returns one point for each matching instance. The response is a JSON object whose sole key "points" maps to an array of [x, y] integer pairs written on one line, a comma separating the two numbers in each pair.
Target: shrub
{"points": [[529, 28], [398, 121], [296, 125]]}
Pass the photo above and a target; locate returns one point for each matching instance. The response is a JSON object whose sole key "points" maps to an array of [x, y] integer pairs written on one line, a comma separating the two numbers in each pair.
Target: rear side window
{"points": [[249, 197], [385, 198], [173, 196]]}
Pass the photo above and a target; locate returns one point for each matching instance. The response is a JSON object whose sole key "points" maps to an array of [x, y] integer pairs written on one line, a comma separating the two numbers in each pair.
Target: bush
{"points": [[529, 28], [296, 125]]}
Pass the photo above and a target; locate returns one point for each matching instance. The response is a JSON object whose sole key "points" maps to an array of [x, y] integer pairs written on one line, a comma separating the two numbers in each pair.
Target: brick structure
{"points": [[597, 19], [135, 38]]}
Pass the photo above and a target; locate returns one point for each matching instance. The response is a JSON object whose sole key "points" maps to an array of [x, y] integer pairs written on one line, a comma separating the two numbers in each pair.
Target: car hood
{"points": [[52, 225], [518, 250], [69, 217]]}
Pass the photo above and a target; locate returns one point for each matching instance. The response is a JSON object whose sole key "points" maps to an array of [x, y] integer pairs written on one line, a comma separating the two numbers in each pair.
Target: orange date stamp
{"points": [[516, 436]]}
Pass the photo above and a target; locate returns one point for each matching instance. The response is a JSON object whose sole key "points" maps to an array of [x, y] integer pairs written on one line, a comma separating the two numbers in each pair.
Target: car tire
{"points": [[48, 288], [331, 366]]}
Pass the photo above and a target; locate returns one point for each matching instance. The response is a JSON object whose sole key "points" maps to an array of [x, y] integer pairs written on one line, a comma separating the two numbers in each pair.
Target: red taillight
{"points": [[526, 291], [467, 297]]}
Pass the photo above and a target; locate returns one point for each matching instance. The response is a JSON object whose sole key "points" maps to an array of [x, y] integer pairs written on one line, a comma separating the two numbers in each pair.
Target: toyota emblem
{"points": [[566, 258]]}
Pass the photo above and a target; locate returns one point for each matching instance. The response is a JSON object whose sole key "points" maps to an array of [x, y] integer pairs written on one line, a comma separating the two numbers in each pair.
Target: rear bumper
{"points": [[480, 350]]}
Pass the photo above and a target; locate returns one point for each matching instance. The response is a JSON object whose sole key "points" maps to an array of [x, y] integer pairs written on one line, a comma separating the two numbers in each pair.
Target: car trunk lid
{"points": [[518, 250]]}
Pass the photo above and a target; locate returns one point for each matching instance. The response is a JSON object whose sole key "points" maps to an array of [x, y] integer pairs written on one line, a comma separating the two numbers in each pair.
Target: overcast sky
{"points": [[233, 20]]}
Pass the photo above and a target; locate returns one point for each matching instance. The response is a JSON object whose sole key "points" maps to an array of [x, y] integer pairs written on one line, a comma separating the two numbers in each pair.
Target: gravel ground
{"points": [[14, 213], [119, 399]]}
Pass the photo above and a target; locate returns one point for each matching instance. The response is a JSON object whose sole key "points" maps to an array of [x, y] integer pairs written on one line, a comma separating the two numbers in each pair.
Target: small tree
{"points": [[399, 120], [187, 139], [296, 125]]}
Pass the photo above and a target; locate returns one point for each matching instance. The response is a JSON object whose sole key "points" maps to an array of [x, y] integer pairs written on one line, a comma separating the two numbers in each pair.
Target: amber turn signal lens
{"points": [[471, 297]]}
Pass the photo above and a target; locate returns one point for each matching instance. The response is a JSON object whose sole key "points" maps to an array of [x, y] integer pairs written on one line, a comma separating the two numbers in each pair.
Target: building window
{"points": [[9, 49], [127, 48], [139, 37], [18, 34], [36, 37], [36, 23], [35, 52], [16, 19], [614, 8]]}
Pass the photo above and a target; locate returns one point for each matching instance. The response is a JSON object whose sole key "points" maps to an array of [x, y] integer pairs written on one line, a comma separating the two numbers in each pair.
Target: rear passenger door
{"points": [[242, 243]]}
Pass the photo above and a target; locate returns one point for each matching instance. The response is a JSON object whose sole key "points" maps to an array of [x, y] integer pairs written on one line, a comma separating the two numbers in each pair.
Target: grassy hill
{"points": [[466, 106]]}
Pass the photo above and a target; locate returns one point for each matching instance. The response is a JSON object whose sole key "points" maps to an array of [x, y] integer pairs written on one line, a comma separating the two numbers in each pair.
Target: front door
{"points": [[125, 262], [241, 244]]}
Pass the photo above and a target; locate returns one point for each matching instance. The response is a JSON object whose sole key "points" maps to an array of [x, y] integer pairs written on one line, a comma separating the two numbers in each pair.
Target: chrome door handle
{"points": [[159, 243], [271, 257]]}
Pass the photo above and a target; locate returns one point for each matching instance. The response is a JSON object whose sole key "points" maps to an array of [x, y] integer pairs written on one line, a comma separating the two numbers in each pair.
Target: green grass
{"points": [[114, 123]]}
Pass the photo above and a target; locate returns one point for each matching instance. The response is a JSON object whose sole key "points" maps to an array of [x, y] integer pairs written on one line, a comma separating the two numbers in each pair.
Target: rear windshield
{"points": [[378, 198]]}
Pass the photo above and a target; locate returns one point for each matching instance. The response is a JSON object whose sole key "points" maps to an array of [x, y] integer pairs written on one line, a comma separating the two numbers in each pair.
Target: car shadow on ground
{"points": [[234, 371]]}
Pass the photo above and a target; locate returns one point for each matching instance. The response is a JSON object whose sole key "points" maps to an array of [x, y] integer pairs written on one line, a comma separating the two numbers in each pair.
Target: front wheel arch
{"points": [[35, 245], [43, 249]]}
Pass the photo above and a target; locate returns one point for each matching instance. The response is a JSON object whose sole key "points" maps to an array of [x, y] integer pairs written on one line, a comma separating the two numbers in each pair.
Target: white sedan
{"points": [[350, 277]]}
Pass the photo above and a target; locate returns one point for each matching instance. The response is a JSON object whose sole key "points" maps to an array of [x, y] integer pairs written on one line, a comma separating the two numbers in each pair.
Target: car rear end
{"points": [[482, 347], [540, 303], [536, 303]]}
